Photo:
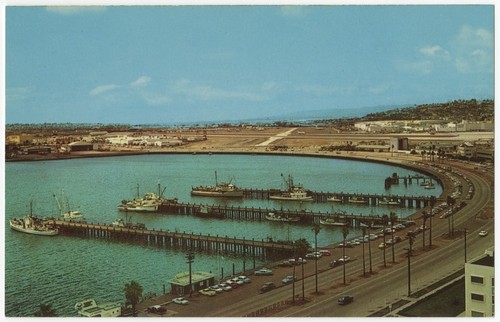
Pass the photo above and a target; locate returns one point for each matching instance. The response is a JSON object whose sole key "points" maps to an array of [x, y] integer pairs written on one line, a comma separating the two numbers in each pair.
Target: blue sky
{"points": [[206, 63]]}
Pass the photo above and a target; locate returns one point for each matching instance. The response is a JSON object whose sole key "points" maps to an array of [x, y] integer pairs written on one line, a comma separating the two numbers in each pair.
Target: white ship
{"points": [[224, 189], [293, 192], [280, 217], [34, 225]]}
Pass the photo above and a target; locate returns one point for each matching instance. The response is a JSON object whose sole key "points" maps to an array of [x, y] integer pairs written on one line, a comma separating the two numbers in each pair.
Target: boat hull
{"points": [[138, 208], [227, 194], [272, 217], [52, 232], [332, 223], [291, 198]]}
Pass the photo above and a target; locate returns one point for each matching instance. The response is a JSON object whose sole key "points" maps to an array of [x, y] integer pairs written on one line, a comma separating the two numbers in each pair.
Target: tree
{"points": [[316, 229], [133, 292], [45, 310], [301, 248], [345, 232]]}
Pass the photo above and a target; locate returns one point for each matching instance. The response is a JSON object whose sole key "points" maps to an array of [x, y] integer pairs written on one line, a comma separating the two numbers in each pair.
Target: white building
{"points": [[480, 285]]}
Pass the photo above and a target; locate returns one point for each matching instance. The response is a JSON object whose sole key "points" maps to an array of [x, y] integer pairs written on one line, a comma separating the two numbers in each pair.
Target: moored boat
{"points": [[147, 203], [33, 225], [430, 186], [67, 213], [388, 202], [281, 217], [334, 199], [332, 222], [224, 189], [206, 212], [293, 192], [358, 200]]}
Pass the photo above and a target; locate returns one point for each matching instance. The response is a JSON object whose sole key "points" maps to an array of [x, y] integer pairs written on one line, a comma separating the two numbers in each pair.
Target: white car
{"points": [[180, 300], [483, 233]]}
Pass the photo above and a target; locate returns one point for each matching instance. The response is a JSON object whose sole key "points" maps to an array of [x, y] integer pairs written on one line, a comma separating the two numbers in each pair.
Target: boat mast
{"points": [[216, 178], [57, 201], [138, 191]]}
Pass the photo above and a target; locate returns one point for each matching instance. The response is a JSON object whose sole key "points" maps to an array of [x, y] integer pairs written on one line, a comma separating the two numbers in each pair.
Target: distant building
{"points": [[465, 126], [466, 150], [199, 280], [399, 143], [38, 150], [80, 146], [479, 285]]}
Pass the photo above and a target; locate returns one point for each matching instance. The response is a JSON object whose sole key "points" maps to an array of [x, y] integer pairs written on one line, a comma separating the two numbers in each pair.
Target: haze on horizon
{"points": [[152, 64]]}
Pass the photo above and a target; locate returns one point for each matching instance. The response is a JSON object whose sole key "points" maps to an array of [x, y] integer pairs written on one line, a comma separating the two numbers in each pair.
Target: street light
{"points": [[190, 259], [411, 236]]}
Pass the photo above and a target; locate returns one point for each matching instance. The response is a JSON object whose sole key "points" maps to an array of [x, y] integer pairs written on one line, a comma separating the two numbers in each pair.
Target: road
{"points": [[387, 285]]}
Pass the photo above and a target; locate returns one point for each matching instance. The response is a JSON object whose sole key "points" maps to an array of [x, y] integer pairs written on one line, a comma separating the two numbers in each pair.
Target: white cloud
{"points": [[141, 81], [207, 93], [473, 49], [73, 10], [103, 88], [474, 37], [434, 51]]}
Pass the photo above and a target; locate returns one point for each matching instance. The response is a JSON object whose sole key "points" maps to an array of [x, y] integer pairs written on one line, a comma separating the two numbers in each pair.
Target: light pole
{"points": [[345, 232], [369, 247], [465, 244], [411, 236], [190, 259], [363, 244], [316, 229]]}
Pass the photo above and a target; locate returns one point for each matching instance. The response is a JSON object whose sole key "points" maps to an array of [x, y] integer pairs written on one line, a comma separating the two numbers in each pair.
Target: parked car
{"points": [[226, 287], [285, 264], [334, 263], [381, 246], [157, 309], [288, 279], [263, 271], [315, 255], [216, 288], [483, 233], [180, 300], [344, 259], [207, 292], [325, 252], [346, 299], [347, 245], [237, 281], [267, 287], [245, 279]]}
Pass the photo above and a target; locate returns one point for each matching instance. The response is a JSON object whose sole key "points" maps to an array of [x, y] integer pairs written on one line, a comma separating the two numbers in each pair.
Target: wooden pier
{"points": [[181, 241], [259, 214], [369, 199]]}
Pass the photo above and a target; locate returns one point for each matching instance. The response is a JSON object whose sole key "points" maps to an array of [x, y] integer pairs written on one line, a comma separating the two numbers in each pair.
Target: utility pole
{"points": [[190, 259], [411, 236], [363, 244], [465, 244]]}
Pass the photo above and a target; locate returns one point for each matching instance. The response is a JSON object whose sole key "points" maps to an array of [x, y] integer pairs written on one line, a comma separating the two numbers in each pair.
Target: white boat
{"points": [[284, 218], [89, 308], [425, 183], [293, 192], [147, 203], [334, 199], [34, 225], [67, 214], [224, 189], [430, 186], [206, 212], [358, 200], [388, 202], [332, 222]]}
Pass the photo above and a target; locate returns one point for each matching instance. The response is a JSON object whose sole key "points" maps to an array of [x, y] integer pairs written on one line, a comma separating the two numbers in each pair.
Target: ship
{"points": [[358, 200], [334, 199], [67, 213], [224, 189], [293, 192], [149, 202], [207, 212], [33, 225], [388, 202], [332, 222], [281, 217]]}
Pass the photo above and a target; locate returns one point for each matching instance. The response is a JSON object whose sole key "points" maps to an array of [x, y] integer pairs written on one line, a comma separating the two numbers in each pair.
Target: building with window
{"points": [[199, 280], [480, 285]]}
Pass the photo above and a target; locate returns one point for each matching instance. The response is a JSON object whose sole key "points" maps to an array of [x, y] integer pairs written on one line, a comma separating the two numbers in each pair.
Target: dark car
{"points": [[346, 299], [267, 287], [157, 309]]}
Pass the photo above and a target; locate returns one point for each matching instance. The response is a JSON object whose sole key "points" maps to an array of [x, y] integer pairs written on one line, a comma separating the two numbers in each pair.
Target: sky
{"points": [[167, 64]]}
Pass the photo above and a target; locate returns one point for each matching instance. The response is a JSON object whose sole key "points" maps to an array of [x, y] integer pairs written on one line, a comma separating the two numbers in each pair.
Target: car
{"points": [[325, 252], [245, 279], [315, 255], [334, 263], [216, 288], [381, 246], [344, 259], [263, 271], [301, 260], [483, 233], [347, 245], [207, 292], [237, 281], [267, 287], [180, 300], [157, 309], [288, 279], [226, 287], [285, 264], [346, 299]]}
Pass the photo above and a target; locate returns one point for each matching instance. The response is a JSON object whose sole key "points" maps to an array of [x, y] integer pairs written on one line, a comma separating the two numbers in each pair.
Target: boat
{"points": [[388, 202], [147, 203], [89, 308], [127, 224], [281, 217], [223, 189], [334, 199], [425, 183], [358, 200], [332, 222], [206, 212], [430, 186], [33, 225], [69, 214], [293, 192]]}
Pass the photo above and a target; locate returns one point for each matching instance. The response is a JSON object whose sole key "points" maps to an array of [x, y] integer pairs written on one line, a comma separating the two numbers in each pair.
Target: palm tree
{"points": [[133, 292], [345, 232], [45, 310], [393, 217], [316, 229], [302, 246]]}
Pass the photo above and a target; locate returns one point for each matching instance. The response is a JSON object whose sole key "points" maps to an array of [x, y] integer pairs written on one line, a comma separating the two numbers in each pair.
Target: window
{"points": [[476, 279], [476, 314], [477, 297]]}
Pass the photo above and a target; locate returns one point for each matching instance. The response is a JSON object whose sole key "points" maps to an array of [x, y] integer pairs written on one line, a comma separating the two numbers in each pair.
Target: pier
{"points": [[259, 214], [181, 241], [368, 199]]}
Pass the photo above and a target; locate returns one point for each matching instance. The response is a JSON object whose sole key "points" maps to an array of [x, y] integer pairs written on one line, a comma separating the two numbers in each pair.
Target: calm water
{"points": [[63, 270]]}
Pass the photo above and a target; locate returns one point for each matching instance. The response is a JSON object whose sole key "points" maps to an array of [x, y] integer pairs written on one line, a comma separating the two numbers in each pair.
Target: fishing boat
{"points": [[149, 202], [334, 199], [388, 202], [293, 192], [425, 183], [430, 186], [358, 200], [33, 225], [223, 189], [332, 222], [281, 217], [206, 212], [67, 213], [127, 224]]}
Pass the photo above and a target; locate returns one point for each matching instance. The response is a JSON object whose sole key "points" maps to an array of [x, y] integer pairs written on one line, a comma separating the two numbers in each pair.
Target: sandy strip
{"points": [[276, 137]]}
